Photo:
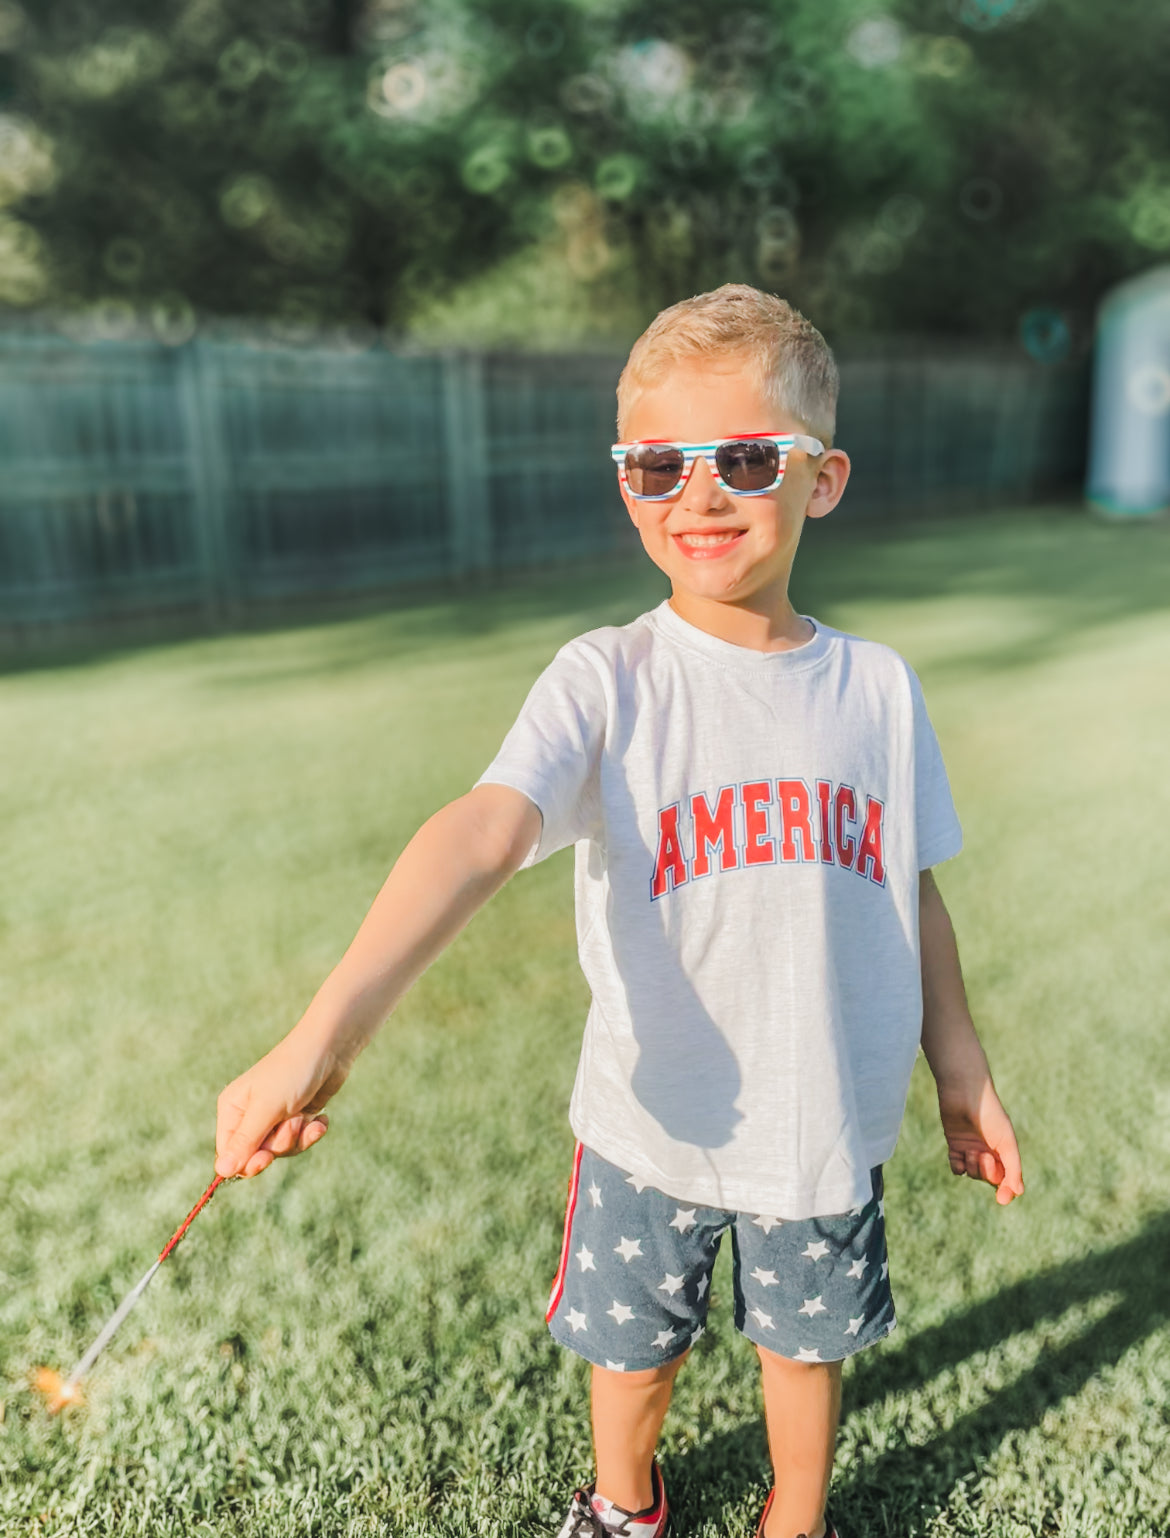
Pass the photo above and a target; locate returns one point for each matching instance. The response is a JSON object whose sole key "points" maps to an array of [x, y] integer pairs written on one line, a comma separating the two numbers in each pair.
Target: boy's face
{"points": [[717, 547]]}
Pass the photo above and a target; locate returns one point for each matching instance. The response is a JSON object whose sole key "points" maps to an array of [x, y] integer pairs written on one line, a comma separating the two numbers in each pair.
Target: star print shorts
{"points": [[635, 1275]]}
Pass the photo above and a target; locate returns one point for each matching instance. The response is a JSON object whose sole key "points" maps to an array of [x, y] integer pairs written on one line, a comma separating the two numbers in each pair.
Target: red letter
{"points": [[795, 817], [871, 843], [846, 847], [825, 796], [713, 828], [670, 860], [759, 849]]}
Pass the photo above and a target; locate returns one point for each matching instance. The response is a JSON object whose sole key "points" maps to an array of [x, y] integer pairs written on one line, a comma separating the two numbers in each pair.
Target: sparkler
{"points": [[59, 1391]]}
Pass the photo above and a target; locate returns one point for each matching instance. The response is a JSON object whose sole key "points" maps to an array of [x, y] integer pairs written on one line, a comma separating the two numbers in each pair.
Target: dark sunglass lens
{"points": [[651, 471], [748, 466]]}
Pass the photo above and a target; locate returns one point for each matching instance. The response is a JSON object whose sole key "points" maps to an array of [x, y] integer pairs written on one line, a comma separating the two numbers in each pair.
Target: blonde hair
{"points": [[789, 355]]}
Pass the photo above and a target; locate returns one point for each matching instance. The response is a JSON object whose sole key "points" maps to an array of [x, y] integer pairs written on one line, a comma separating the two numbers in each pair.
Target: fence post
{"points": [[210, 478], [465, 432]]}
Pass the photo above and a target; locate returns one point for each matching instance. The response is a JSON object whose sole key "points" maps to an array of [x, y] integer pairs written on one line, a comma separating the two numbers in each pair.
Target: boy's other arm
{"points": [[980, 1139], [449, 869]]}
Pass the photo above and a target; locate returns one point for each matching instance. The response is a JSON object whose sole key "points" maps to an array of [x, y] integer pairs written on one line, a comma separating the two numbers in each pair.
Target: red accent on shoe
{"points": [[657, 1511], [830, 1530]]}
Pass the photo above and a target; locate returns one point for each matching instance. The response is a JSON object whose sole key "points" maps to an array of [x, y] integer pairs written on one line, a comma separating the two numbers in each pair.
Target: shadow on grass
{"points": [[890, 1492], [1087, 572]]}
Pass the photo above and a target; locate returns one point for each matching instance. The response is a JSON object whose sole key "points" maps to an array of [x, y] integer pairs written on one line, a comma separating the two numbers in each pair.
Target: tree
{"points": [[984, 167]]}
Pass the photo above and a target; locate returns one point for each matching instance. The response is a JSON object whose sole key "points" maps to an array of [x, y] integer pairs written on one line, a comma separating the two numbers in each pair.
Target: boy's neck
{"points": [[762, 623]]}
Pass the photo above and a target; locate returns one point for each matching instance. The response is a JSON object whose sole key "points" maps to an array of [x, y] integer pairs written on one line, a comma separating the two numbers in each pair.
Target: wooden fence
{"points": [[221, 475]]}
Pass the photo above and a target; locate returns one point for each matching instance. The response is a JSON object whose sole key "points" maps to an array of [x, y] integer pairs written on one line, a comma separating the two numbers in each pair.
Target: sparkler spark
{"points": [[58, 1394]]}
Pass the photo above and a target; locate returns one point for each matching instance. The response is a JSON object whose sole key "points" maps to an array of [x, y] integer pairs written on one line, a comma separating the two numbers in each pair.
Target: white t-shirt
{"points": [[749, 829]]}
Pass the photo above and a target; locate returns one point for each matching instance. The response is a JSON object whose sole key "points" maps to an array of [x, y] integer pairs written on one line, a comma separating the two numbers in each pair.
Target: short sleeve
{"points": [[937, 824], [552, 753]]}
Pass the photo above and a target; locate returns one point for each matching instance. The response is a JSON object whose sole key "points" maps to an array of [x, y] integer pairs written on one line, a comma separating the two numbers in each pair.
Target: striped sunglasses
{"points": [[653, 470]]}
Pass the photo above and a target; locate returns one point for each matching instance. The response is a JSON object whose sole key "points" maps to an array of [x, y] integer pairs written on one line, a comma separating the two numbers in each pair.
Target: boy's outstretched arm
{"points": [[980, 1139], [452, 865]]}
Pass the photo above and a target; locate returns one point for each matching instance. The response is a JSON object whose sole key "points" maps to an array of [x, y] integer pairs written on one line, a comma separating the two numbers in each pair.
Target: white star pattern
{"points": [[670, 1284], [616, 1366], [663, 1339], [857, 1269], [638, 1185], [595, 1195], [576, 1320], [816, 1251], [628, 1248], [696, 1333], [882, 1207], [885, 1269], [855, 1212], [767, 1224], [584, 1259], [854, 1325], [763, 1320], [683, 1219], [812, 1306], [620, 1313], [704, 1283], [808, 1354], [765, 1278]]}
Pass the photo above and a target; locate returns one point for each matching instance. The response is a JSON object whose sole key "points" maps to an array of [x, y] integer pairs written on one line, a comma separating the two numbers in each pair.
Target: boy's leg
{"points": [[802, 1403], [628, 1411]]}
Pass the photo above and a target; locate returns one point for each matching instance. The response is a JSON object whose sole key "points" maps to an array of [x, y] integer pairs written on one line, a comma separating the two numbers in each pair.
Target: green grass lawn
{"points": [[354, 1343]]}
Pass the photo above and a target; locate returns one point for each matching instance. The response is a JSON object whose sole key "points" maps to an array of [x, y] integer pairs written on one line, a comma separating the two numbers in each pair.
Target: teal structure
{"points": [[1129, 450]]}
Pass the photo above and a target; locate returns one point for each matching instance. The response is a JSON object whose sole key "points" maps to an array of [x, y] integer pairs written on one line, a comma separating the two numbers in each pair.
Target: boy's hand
{"points": [[981, 1141], [271, 1111]]}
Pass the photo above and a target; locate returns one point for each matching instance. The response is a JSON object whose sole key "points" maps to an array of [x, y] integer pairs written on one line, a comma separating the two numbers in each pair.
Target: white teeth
{"points": [[710, 539]]}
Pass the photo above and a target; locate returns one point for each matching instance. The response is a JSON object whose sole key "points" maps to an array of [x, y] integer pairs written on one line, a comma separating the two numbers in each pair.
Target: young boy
{"points": [[756, 801]]}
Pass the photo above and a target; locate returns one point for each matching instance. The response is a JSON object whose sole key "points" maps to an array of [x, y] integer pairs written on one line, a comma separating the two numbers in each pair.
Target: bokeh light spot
{"points": [[758, 166], [1148, 389], [876, 42], [240, 63], [486, 169], [1045, 335], [246, 200], [172, 319], [123, 259], [901, 216], [980, 199], [404, 87], [544, 38], [587, 94], [616, 177], [285, 59], [549, 146], [12, 26]]}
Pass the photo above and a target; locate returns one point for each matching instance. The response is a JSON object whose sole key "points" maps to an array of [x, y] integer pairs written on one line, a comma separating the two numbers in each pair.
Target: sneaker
{"points": [[592, 1516], [830, 1530]]}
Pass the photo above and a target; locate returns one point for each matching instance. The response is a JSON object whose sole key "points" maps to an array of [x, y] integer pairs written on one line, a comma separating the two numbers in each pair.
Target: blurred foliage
{"points": [[962, 166]]}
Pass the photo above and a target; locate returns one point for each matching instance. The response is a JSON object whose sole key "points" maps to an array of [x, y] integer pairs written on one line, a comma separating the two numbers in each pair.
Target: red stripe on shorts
{"points": [[558, 1286]]}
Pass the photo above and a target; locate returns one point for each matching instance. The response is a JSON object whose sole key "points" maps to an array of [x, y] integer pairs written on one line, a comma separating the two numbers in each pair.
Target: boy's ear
{"points": [[832, 475]]}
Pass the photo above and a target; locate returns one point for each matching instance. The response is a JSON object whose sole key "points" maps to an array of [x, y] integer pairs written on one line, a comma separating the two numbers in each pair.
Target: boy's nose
{"points": [[701, 489]]}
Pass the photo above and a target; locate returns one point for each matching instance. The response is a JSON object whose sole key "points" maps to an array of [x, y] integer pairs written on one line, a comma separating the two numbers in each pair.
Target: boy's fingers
{"points": [[283, 1137], [245, 1137], [1013, 1174], [258, 1163], [314, 1132]]}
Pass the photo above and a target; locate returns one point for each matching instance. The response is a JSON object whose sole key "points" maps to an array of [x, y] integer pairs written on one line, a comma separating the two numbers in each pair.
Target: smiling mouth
{"points": [[709, 541]]}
